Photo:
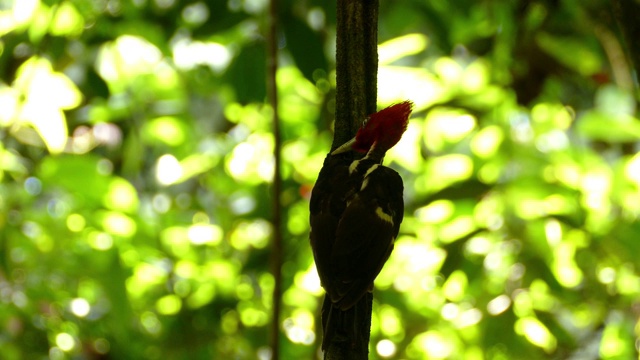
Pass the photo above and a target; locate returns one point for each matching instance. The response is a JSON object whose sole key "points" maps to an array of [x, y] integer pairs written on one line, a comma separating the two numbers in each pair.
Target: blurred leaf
{"points": [[567, 50], [248, 73], [304, 44], [47, 93], [613, 128]]}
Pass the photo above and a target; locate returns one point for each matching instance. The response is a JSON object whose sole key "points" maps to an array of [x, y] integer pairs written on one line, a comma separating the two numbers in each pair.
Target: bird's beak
{"points": [[344, 147]]}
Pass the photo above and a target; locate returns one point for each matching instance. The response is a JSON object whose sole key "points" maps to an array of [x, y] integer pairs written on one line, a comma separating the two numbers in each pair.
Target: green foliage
{"points": [[136, 163]]}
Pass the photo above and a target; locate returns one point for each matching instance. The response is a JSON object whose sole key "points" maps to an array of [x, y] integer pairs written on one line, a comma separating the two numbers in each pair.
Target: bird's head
{"points": [[381, 130]]}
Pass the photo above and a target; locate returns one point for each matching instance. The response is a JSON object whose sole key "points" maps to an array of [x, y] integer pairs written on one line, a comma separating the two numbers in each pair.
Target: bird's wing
{"points": [[365, 236]]}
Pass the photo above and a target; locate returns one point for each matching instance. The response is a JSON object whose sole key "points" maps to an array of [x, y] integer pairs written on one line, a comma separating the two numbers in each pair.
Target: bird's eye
{"points": [[365, 121]]}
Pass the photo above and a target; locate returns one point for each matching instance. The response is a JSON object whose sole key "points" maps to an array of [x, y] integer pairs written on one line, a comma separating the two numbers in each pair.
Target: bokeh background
{"points": [[136, 164]]}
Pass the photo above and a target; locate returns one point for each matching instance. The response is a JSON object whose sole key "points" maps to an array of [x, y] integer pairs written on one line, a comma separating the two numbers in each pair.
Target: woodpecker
{"points": [[356, 209]]}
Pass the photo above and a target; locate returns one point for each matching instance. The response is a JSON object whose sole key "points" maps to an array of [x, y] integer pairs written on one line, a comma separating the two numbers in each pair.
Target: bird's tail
{"points": [[349, 327]]}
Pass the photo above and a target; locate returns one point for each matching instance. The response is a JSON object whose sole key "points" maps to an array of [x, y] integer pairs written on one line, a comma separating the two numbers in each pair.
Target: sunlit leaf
{"points": [[609, 127], [67, 21], [47, 94], [402, 46]]}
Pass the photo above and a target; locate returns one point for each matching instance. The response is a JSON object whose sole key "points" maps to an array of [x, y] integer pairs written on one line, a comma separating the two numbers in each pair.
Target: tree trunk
{"points": [[356, 97]]}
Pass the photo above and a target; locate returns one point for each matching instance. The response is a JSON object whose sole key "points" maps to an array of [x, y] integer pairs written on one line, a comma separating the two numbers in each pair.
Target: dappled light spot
{"points": [[196, 13], [244, 290], [104, 167], [632, 169], [559, 204], [65, 342], [254, 234], [490, 172], [432, 345], [397, 48], [309, 281], [452, 167], [614, 342], [9, 103], [555, 140], [316, 18], [522, 303], [107, 134], [21, 13], [487, 141], [448, 70], [567, 274], [161, 203], [418, 85], [117, 223], [80, 307], [536, 333], [188, 54], [168, 170], [389, 321], [299, 327], [498, 305], [457, 228], [150, 323], [553, 230], [241, 203], [204, 234], [100, 240], [202, 295], [480, 245], [186, 269], [182, 288], [541, 297], [200, 217], [252, 161], [169, 304], [229, 322], [196, 164], [436, 212], [447, 126], [250, 315], [127, 56], [145, 277], [47, 93], [386, 348], [450, 311], [596, 181], [76, 222], [407, 151], [468, 317], [411, 262], [521, 130], [167, 129], [551, 115], [121, 195], [628, 281], [476, 77], [67, 21], [606, 275], [264, 353], [224, 272], [101, 346], [455, 286], [569, 174], [296, 297], [298, 92], [298, 220], [82, 140], [33, 186], [175, 239]]}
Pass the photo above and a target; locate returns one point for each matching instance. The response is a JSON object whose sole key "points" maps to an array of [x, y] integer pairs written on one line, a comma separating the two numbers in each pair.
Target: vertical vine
{"points": [[276, 246]]}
